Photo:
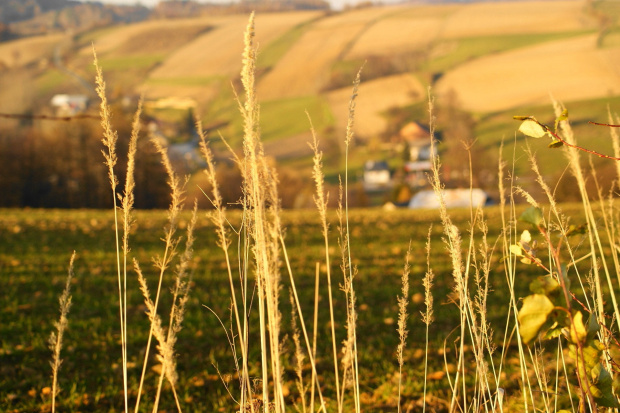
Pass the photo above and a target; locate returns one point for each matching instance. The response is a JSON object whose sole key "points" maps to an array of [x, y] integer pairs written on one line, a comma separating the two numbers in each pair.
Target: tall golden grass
{"points": [[477, 386]]}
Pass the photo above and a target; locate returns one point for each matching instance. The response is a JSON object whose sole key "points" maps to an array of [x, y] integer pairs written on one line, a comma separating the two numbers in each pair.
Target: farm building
{"points": [[376, 175], [418, 140], [69, 105], [454, 198]]}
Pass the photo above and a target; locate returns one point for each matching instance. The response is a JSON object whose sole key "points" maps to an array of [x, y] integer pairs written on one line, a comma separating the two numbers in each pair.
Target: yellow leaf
{"points": [[516, 250], [532, 128], [526, 237], [578, 331], [436, 375]]}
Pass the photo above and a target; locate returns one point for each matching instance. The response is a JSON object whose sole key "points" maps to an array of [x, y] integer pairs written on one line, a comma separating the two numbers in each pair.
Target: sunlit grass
{"points": [[458, 51], [131, 62]]}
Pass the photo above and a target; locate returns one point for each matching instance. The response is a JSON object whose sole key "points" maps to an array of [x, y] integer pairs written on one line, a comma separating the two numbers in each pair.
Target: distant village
{"points": [[377, 177]]}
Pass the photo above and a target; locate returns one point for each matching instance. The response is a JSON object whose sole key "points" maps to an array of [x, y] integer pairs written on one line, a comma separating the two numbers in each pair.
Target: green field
{"points": [[469, 48], [525, 315], [35, 251]]}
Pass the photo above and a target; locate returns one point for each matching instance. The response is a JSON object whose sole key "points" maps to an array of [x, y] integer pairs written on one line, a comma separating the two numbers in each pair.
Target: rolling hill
{"points": [[486, 58]]}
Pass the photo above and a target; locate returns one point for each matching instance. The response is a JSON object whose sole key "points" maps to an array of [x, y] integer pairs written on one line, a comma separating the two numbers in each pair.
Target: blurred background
{"points": [[483, 62]]}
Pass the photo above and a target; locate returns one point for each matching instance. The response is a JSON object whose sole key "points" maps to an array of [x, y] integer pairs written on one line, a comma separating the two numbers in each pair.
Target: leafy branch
{"points": [[548, 311], [535, 129]]}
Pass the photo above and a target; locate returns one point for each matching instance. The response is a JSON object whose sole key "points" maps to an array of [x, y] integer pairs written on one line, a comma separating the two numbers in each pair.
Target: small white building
{"points": [[416, 173], [454, 198], [69, 105], [376, 175]]}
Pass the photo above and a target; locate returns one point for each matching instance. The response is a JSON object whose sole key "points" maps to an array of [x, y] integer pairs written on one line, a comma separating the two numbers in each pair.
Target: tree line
{"points": [[55, 164]]}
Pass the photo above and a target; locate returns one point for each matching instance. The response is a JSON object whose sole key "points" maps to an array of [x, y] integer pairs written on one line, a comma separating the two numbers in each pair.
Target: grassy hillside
{"points": [[445, 309], [489, 59]]}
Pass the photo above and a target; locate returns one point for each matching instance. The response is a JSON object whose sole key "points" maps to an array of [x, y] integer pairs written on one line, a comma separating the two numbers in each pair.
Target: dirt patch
{"points": [[161, 40], [396, 35], [292, 147], [374, 97], [115, 38], [218, 52], [201, 94], [572, 69], [305, 68], [22, 52], [484, 19]]}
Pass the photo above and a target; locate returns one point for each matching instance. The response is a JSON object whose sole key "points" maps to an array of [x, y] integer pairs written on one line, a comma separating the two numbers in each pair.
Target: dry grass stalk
{"points": [[321, 199], [509, 234], [299, 357], [608, 213], [109, 140], [349, 359], [220, 221], [55, 339], [573, 157], [615, 141], [427, 315], [259, 190], [180, 295], [315, 333], [469, 325], [452, 240], [597, 253], [485, 345], [127, 201], [163, 263], [297, 305], [403, 300], [276, 231], [170, 248]]}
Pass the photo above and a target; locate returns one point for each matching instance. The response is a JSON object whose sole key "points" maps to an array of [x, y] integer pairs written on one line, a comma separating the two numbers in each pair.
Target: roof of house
{"points": [[376, 166]]}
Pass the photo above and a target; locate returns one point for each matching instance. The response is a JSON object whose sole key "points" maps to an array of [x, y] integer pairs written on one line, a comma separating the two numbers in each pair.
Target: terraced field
{"points": [[570, 70], [487, 57]]}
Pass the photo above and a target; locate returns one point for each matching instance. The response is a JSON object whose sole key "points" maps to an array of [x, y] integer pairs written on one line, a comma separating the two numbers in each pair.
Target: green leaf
{"points": [[522, 117], [601, 387], [545, 284], [616, 384], [563, 116], [554, 332], [531, 127], [555, 143], [532, 215], [593, 326], [576, 229], [533, 315], [592, 354]]}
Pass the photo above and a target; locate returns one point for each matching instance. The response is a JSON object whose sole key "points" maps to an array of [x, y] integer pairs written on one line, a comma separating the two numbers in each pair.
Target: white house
{"points": [[376, 175], [454, 198], [69, 105]]}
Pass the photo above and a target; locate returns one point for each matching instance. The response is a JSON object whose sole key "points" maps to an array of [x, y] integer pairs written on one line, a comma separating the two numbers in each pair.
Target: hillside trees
{"points": [[59, 165], [458, 143]]}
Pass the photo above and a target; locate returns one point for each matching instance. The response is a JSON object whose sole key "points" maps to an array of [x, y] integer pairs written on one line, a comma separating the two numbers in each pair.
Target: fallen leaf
{"points": [[436, 375]]}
